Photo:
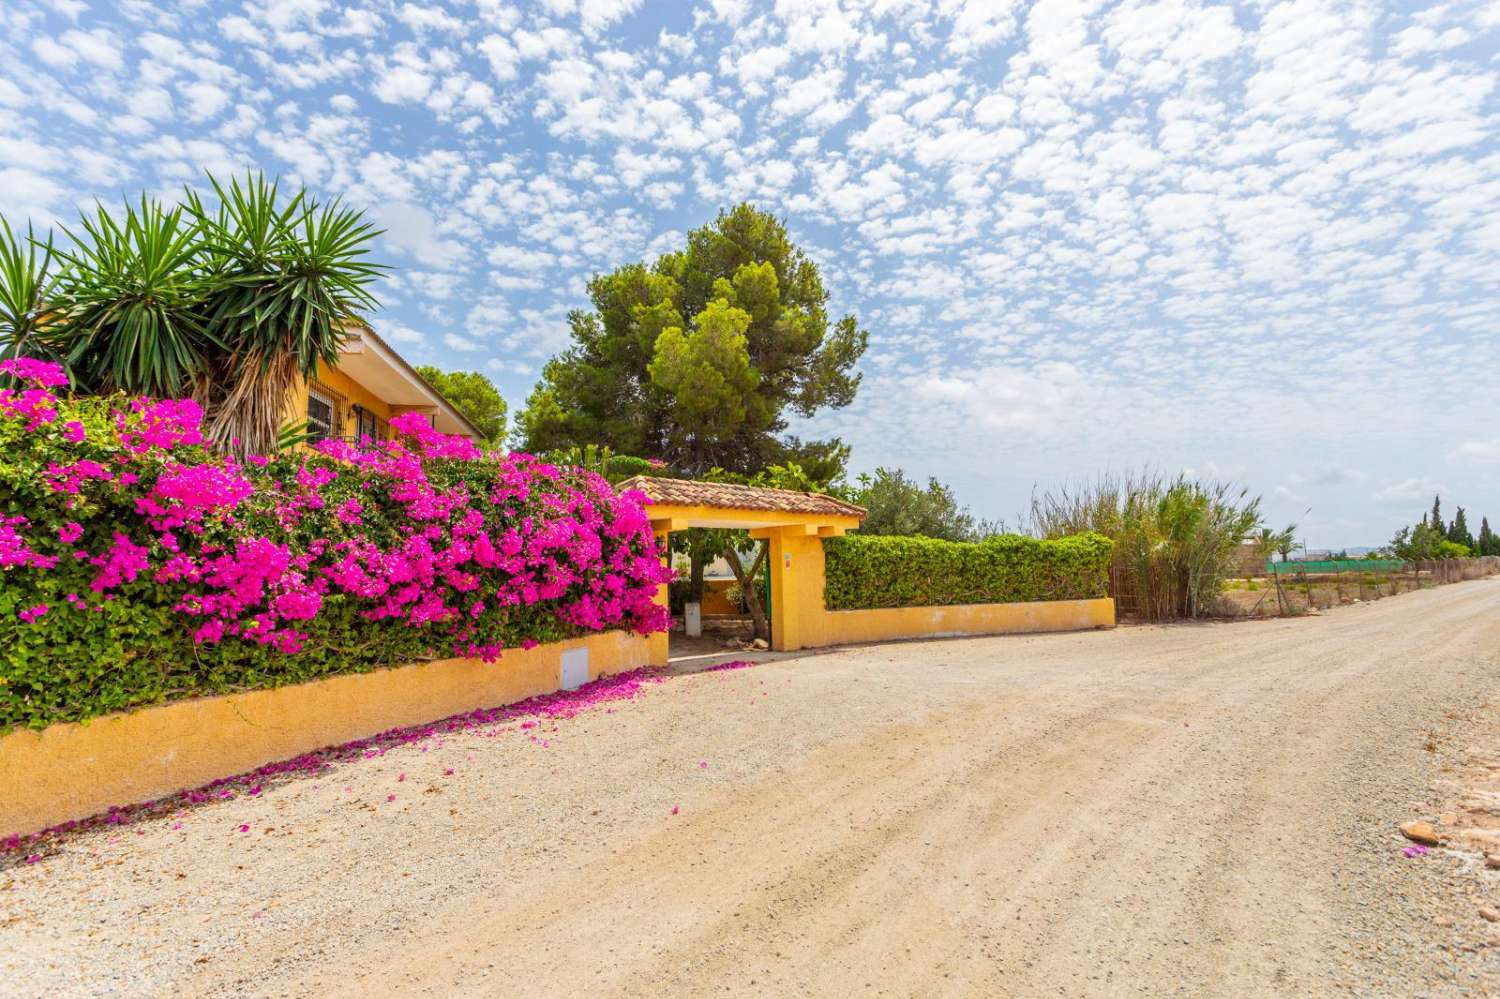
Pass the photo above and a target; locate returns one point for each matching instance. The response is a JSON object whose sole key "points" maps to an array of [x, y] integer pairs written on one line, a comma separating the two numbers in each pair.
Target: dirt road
{"points": [[1194, 810]]}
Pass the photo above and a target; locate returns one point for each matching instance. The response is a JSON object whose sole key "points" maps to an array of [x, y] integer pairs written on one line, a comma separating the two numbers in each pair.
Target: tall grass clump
{"points": [[1176, 539]]}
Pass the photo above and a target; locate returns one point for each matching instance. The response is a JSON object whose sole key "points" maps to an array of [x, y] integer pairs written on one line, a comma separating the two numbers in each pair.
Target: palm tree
{"points": [[229, 305]]}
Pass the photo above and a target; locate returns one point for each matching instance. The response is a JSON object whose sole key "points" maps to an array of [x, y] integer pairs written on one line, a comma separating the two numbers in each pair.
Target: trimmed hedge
{"points": [[867, 572]]}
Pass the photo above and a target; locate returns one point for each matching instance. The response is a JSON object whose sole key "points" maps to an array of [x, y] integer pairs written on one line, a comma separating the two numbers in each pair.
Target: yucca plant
{"points": [[287, 282], [25, 286], [126, 315], [229, 304]]}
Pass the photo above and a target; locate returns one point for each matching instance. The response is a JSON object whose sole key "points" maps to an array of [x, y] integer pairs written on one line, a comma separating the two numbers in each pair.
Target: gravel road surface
{"points": [[1189, 810]]}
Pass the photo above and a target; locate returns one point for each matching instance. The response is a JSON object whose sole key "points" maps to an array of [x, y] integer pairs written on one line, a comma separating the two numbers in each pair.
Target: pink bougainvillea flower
{"points": [[447, 771], [244, 828], [675, 809], [390, 797], [32, 613], [44, 374]]}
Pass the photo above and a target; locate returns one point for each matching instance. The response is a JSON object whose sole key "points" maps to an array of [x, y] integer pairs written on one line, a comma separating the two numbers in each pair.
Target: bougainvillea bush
{"points": [[138, 566]]}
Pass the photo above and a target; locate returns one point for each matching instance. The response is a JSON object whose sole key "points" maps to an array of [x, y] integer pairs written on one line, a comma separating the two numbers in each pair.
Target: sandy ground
{"points": [[1193, 810]]}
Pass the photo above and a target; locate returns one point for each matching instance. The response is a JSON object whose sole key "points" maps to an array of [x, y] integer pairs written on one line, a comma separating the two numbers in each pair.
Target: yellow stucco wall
{"points": [[885, 624], [72, 771], [715, 599], [800, 620], [353, 393], [659, 641]]}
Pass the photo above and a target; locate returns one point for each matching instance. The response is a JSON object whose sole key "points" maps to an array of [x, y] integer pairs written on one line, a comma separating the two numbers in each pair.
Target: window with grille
{"points": [[366, 424], [320, 415]]}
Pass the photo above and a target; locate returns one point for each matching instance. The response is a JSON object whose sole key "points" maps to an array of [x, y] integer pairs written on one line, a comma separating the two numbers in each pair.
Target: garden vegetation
{"points": [[228, 303], [863, 572], [137, 565], [1176, 540]]}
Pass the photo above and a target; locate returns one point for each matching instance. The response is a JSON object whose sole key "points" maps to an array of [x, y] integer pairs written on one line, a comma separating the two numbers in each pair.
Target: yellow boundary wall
{"points": [[71, 771], [885, 624], [801, 621]]}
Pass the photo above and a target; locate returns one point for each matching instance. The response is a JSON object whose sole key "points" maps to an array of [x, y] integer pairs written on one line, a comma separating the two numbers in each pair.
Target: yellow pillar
{"points": [[659, 642], [796, 568]]}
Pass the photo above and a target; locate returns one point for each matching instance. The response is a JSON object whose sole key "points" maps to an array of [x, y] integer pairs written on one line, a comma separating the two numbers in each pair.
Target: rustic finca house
{"points": [[370, 384]]}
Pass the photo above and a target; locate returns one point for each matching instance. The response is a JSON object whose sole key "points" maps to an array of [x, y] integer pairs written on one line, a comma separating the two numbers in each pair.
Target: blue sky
{"points": [[1256, 241]]}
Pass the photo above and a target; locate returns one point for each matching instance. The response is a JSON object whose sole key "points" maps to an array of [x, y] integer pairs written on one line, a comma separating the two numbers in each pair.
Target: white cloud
{"points": [[1004, 398], [1484, 452], [413, 229], [402, 84], [1412, 492], [1080, 233], [204, 100], [454, 341]]}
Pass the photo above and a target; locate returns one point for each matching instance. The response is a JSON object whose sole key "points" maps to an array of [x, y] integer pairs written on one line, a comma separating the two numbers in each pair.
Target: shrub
{"points": [[1176, 540], [136, 566], [864, 572]]}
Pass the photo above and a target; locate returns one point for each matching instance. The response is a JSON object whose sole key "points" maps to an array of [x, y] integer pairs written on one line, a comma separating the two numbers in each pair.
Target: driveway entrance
{"points": [[790, 521]]}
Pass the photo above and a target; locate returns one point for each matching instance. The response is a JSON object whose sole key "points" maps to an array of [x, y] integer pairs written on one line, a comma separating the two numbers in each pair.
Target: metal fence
{"points": [[1442, 570], [1336, 565]]}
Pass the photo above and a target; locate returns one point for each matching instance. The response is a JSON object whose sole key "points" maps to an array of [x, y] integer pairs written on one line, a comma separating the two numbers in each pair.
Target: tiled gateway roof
{"points": [[727, 495]]}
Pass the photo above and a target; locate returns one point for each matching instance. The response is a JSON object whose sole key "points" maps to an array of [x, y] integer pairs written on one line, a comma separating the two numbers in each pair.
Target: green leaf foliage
{"points": [[898, 505], [133, 647], [227, 302], [864, 572], [699, 358], [707, 372], [475, 396]]}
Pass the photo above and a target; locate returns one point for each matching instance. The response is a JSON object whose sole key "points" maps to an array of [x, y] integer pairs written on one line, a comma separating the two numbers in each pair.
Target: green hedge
{"points": [[865, 572]]}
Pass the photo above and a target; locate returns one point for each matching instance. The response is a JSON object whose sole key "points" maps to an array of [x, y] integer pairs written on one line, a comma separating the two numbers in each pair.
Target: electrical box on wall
{"points": [[575, 669]]}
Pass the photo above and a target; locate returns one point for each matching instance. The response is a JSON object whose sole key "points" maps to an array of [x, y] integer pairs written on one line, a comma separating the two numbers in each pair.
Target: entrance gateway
{"points": [[794, 523]]}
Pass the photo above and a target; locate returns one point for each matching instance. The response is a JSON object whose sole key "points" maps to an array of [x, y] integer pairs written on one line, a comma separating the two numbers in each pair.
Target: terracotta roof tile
{"points": [[728, 495]]}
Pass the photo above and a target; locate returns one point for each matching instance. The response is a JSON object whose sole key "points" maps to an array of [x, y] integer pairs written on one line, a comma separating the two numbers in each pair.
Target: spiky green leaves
{"points": [[226, 303]]}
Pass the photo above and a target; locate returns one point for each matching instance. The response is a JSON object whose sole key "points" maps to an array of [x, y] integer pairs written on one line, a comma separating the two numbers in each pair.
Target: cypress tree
{"points": [[1436, 520], [1488, 543], [1458, 533]]}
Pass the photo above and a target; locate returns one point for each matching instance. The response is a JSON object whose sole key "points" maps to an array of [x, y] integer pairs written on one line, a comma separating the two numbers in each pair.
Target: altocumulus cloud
{"points": [[1252, 236]]}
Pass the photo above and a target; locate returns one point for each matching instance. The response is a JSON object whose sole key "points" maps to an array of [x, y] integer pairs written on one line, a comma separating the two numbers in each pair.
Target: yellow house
{"points": [[370, 384]]}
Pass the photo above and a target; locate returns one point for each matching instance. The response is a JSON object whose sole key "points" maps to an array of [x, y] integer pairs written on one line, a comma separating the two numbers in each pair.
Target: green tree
{"points": [[1415, 543], [699, 358], [1458, 531], [643, 379], [1271, 542], [707, 374], [25, 287], [1452, 549], [1435, 520], [898, 505], [475, 396], [1488, 543]]}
